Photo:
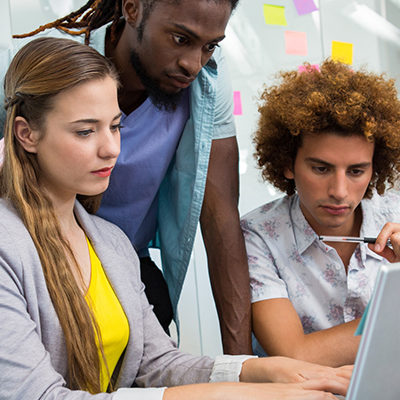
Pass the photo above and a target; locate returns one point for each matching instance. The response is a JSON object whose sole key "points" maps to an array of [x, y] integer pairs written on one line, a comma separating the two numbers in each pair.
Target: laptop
{"points": [[376, 373]]}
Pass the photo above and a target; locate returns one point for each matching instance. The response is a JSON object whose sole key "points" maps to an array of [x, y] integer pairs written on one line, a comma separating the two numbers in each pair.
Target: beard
{"points": [[161, 99]]}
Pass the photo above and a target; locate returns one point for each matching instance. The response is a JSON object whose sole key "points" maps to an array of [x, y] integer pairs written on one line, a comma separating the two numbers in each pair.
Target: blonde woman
{"points": [[74, 320]]}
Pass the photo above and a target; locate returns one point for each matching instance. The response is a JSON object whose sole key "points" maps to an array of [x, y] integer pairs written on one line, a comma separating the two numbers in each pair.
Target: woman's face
{"points": [[79, 143]]}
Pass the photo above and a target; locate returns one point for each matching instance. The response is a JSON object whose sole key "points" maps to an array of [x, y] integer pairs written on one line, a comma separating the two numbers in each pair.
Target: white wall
{"points": [[255, 52]]}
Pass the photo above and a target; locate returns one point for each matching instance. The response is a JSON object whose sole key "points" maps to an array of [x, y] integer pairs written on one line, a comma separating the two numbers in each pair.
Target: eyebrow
{"points": [[195, 35], [93, 120], [319, 161]]}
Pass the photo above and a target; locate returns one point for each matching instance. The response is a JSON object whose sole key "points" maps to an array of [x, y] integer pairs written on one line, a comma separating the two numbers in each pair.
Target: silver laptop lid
{"points": [[376, 372]]}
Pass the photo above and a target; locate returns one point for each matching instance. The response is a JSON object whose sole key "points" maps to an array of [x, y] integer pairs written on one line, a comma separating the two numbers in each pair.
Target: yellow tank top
{"points": [[110, 317]]}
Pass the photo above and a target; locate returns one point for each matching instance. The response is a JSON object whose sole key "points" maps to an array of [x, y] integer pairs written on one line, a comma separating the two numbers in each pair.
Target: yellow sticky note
{"points": [[343, 52], [274, 15]]}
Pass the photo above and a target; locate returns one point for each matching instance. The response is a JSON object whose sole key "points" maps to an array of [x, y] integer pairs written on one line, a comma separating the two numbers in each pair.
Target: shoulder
{"points": [[216, 69], [271, 211], [11, 224], [218, 57], [102, 231], [17, 249], [269, 224], [385, 206]]}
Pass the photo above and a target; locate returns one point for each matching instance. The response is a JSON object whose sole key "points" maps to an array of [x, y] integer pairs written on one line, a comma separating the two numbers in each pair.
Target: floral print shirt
{"points": [[287, 260]]}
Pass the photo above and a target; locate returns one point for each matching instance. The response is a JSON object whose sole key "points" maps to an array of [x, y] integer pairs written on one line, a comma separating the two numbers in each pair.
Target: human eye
{"points": [[179, 39], [356, 171], [84, 132], [116, 127], [320, 169], [211, 47]]}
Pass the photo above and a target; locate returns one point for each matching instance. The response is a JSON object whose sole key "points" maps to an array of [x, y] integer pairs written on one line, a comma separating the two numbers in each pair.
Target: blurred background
{"points": [[262, 38]]}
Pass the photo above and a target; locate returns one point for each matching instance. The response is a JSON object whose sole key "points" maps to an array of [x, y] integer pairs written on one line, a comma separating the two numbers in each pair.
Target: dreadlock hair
{"points": [[41, 70], [96, 13]]}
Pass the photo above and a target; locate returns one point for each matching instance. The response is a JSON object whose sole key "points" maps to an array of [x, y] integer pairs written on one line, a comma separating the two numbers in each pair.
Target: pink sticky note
{"points": [[237, 103], [304, 6], [296, 43], [302, 68]]}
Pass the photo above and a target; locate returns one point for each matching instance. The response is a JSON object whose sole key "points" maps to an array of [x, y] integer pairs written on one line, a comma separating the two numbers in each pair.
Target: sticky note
{"points": [[304, 6], [343, 52], [296, 43], [274, 15], [237, 103], [302, 68]]}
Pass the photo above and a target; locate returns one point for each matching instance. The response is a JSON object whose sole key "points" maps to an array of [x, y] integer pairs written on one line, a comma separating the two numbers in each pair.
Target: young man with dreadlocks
{"points": [[179, 157]]}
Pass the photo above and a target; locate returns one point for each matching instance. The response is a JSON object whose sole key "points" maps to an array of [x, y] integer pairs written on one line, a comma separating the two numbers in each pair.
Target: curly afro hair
{"points": [[332, 98]]}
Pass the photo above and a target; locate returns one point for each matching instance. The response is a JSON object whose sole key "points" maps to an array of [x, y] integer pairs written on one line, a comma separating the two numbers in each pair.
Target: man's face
{"points": [[174, 42], [332, 173]]}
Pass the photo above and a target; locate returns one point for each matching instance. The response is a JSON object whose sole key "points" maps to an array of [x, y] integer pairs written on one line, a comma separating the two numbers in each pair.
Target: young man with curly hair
{"points": [[330, 140]]}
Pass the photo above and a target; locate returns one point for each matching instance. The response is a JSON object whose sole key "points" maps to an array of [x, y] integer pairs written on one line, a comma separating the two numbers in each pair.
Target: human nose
{"points": [[192, 62], [109, 146], [338, 186]]}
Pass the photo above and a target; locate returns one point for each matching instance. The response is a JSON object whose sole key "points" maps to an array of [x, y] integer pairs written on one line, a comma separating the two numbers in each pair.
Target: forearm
{"points": [[227, 264], [333, 347], [226, 253], [211, 391]]}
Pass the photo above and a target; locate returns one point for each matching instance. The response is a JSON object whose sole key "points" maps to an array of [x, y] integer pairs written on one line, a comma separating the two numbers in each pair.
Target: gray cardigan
{"points": [[32, 349]]}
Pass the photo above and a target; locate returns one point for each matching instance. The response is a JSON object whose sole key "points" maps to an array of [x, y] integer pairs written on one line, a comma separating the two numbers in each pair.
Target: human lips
{"points": [[336, 210], [103, 172], [180, 81]]}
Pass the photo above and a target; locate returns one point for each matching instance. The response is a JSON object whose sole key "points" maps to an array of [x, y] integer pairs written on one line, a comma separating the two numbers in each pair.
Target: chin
{"points": [[93, 192]]}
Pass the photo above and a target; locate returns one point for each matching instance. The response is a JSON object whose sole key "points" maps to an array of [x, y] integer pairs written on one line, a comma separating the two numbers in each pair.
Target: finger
{"points": [[395, 244], [345, 371], [337, 385], [389, 254], [388, 229]]}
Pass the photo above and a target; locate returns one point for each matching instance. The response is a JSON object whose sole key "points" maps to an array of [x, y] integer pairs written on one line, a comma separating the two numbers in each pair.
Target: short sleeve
{"points": [[224, 124], [265, 280]]}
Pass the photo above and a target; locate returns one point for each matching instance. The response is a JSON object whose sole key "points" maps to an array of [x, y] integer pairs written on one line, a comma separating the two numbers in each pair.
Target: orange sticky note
{"points": [[274, 15], [237, 103], [296, 43], [343, 52]]}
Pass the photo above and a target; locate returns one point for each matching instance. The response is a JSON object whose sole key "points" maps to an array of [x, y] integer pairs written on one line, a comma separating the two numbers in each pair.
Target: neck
{"points": [[64, 212], [346, 250]]}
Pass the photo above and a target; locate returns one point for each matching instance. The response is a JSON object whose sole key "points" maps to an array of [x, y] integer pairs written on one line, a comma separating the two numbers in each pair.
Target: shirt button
{"points": [[338, 267], [349, 310]]}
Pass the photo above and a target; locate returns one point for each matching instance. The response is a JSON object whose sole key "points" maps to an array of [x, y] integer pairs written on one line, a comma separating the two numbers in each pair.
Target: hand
{"points": [[390, 231], [287, 370]]}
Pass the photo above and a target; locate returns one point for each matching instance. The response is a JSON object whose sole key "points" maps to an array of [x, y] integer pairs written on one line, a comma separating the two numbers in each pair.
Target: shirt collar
{"points": [[304, 235]]}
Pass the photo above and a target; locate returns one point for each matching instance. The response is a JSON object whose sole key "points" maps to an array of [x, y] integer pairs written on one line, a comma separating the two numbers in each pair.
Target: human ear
{"points": [[288, 173], [131, 10], [27, 137]]}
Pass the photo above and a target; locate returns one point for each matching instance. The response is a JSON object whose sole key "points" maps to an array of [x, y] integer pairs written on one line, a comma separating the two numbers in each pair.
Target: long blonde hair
{"points": [[39, 71]]}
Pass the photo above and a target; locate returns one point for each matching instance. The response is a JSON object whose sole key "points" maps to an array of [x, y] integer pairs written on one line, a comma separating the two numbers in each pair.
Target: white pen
{"points": [[349, 239]]}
